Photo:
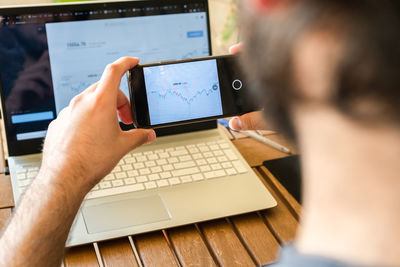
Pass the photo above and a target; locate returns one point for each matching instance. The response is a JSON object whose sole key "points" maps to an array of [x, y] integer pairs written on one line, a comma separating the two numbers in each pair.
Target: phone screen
{"points": [[187, 91], [184, 91]]}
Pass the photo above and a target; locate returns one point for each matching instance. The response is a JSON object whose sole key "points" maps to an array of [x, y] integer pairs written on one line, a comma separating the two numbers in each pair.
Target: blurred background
{"points": [[223, 17]]}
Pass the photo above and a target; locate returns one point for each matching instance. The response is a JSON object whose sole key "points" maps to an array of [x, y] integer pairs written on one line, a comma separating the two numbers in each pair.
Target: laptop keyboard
{"points": [[161, 168]]}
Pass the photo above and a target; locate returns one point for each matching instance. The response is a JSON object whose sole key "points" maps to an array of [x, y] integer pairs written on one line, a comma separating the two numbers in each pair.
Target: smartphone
{"points": [[185, 91]]}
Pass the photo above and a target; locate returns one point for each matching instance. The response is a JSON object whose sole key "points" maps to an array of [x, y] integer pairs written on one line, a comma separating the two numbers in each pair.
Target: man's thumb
{"points": [[138, 137]]}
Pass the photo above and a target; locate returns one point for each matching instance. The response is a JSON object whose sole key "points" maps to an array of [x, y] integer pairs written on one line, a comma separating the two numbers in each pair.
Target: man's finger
{"points": [[124, 108], [137, 137], [112, 75], [235, 48], [249, 121]]}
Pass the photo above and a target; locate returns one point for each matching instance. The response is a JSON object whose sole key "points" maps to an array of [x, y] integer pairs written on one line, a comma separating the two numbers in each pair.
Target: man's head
{"points": [[342, 54]]}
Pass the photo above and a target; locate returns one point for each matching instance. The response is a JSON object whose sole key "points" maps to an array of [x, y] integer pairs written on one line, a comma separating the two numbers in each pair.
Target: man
{"points": [[328, 74]]}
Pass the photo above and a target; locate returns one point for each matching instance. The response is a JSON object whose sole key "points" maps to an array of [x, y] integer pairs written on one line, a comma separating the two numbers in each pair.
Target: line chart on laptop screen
{"points": [[80, 50], [184, 91]]}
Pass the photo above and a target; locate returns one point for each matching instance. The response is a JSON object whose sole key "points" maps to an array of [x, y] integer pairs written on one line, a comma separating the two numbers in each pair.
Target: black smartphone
{"points": [[184, 91]]}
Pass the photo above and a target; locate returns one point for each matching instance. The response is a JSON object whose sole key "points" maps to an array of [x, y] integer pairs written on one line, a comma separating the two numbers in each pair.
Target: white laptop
{"points": [[50, 53]]}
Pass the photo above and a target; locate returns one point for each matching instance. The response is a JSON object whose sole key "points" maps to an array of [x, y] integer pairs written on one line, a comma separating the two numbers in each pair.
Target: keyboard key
{"points": [[197, 156], [211, 143], [148, 153], [117, 183], [201, 162], [186, 179], [150, 163], [109, 177], [179, 147], [230, 154], [226, 165], [129, 160], [144, 171], [186, 164], [161, 162], [216, 166], [130, 181], [218, 153], [212, 160], [141, 179], [115, 191], [239, 166], [163, 155], [180, 152], [174, 181], [184, 172], [21, 176], [209, 175], [133, 173], [201, 144], [127, 167], [190, 146], [116, 169], [193, 150], [153, 177], [173, 160], [219, 173], [205, 168], [214, 147], [168, 167], [222, 159], [105, 184], [21, 171], [165, 175], [156, 169], [208, 154], [162, 183], [231, 171], [141, 158], [33, 169], [185, 158], [138, 154], [169, 149], [150, 185], [139, 165], [224, 145], [120, 175], [31, 174], [204, 148], [96, 187], [197, 177]]}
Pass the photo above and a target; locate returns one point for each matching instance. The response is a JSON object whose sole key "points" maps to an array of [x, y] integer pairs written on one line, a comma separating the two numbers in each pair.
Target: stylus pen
{"points": [[267, 141]]}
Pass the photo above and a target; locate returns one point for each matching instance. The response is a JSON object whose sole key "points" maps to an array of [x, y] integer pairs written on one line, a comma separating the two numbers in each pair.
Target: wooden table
{"points": [[246, 240]]}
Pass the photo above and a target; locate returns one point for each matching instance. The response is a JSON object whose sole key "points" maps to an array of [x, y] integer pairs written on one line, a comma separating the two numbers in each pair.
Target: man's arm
{"points": [[82, 145]]}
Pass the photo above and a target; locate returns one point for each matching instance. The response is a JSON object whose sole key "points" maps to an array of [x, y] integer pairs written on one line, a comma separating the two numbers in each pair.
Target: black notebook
{"points": [[287, 171]]}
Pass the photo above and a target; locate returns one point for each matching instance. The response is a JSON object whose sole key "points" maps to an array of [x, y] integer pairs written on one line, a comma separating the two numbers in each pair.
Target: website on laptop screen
{"points": [[49, 57]]}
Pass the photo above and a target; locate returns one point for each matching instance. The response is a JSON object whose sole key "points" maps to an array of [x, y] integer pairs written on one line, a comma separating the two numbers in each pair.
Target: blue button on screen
{"points": [[195, 34]]}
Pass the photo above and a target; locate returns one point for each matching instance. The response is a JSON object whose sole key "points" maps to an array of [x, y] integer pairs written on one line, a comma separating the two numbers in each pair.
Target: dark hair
{"points": [[368, 71]]}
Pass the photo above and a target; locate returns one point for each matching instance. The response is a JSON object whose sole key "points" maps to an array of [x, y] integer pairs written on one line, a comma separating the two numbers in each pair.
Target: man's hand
{"points": [[85, 140], [249, 121]]}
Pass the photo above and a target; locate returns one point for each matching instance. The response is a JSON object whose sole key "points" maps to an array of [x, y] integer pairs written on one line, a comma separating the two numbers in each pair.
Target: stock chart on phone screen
{"points": [[183, 91]]}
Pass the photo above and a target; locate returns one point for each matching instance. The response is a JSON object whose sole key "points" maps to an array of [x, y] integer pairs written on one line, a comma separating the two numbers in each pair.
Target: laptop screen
{"points": [[49, 54]]}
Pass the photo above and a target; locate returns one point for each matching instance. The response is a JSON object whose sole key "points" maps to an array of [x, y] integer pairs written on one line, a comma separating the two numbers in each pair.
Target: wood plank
{"points": [[117, 253], [225, 244], [154, 250], [4, 216], [289, 200], [190, 247], [280, 219], [81, 256], [6, 195], [256, 152], [257, 237]]}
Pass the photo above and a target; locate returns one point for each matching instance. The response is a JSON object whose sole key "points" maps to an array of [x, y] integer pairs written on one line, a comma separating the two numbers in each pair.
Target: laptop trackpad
{"points": [[124, 213]]}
